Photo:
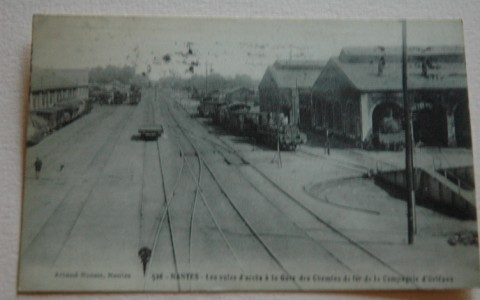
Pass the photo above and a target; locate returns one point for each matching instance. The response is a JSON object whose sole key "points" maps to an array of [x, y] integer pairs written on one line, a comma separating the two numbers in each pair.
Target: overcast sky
{"points": [[229, 46]]}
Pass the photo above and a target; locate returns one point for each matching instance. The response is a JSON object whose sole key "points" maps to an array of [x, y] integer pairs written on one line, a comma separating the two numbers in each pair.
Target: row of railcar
{"points": [[117, 96], [46, 120], [207, 108], [264, 127]]}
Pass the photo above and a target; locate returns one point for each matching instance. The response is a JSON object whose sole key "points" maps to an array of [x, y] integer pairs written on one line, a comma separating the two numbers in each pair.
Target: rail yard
{"points": [[197, 204]]}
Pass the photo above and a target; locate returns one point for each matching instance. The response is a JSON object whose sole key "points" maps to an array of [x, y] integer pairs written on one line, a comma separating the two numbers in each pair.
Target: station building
{"points": [[286, 88], [358, 95], [49, 87]]}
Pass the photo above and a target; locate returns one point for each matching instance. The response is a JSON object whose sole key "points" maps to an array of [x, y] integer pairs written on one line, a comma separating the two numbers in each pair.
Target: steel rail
{"points": [[122, 123], [166, 211], [204, 200], [231, 202], [318, 218], [88, 197], [308, 210], [290, 219], [66, 140]]}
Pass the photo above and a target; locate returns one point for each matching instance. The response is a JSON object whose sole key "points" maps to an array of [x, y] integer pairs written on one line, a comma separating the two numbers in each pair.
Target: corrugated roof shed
{"points": [[51, 79], [364, 76], [394, 54], [295, 73]]}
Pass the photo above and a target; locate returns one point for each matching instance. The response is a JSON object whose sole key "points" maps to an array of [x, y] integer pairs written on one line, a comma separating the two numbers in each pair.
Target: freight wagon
{"points": [[64, 112], [273, 131], [266, 128]]}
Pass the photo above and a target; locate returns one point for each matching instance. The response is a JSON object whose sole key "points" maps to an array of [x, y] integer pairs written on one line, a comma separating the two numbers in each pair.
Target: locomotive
{"points": [[272, 129], [264, 127]]}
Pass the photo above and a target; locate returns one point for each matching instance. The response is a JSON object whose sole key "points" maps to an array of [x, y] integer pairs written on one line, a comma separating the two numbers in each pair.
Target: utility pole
{"points": [[408, 141], [206, 74], [277, 156]]}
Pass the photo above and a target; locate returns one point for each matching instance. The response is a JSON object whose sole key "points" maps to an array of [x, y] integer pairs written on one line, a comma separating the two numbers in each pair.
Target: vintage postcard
{"points": [[201, 154]]}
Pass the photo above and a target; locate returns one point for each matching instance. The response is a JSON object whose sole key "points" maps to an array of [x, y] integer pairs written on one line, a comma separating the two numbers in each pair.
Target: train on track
{"points": [[46, 120], [117, 95], [135, 95], [264, 127]]}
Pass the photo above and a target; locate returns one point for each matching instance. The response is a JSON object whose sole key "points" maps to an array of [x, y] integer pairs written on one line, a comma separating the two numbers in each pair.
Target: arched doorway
{"points": [[387, 118], [430, 126]]}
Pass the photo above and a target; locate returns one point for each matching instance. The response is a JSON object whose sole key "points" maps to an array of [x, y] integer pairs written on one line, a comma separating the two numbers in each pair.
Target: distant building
{"points": [[286, 88], [240, 94], [359, 95], [214, 96], [117, 86], [210, 102], [118, 92], [49, 87]]}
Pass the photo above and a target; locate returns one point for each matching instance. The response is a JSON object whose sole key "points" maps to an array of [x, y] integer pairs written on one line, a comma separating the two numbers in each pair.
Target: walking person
{"points": [[38, 167]]}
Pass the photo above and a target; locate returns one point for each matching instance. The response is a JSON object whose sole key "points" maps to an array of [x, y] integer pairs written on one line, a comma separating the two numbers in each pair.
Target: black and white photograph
{"points": [[184, 154]]}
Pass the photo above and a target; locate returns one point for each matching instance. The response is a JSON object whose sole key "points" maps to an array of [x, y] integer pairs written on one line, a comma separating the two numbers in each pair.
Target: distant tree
{"points": [[214, 81], [111, 73]]}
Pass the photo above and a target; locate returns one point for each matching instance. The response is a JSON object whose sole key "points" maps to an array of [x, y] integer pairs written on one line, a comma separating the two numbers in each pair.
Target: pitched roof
{"points": [[238, 89], [364, 76], [51, 79], [394, 54], [295, 73]]}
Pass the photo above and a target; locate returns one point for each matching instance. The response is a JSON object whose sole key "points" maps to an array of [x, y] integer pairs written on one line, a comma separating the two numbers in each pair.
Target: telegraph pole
{"points": [[206, 74], [408, 141]]}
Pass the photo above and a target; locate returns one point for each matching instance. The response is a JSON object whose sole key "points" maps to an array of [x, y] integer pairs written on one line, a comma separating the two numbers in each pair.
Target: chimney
{"points": [[381, 65]]}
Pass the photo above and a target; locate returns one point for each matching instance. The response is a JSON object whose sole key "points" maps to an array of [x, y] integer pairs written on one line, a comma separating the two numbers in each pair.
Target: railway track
{"points": [[166, 214], [308, 210], [46, 153], [149, 241], [223, 147], [229, 198], [101, 155], [190, 161], [197, 178]]}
